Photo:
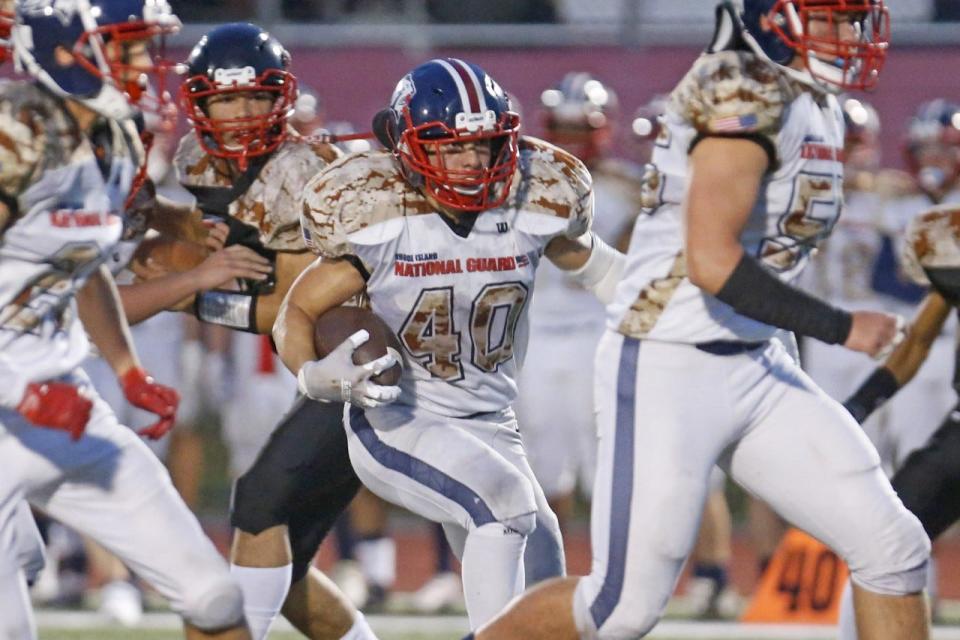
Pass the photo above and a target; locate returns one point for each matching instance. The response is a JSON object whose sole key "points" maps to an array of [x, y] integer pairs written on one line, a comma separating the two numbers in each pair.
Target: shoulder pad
{"points": [[272, 202], [193, 166], [554, 184], [932, 241], [34, 128], [351, 197], [732, 92]]}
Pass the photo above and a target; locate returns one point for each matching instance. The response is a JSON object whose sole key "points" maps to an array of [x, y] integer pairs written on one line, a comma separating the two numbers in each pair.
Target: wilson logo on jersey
{"points": [[405, 267]]}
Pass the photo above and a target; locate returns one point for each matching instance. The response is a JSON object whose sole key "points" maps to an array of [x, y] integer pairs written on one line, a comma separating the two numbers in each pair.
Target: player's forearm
{"points": [[288, 266], [910, 354], [103, 318], [901, 365], [144, 300], [293, 335]]}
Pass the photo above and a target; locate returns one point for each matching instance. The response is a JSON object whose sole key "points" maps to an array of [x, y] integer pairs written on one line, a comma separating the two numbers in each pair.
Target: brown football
{"points": [[338, 324]]}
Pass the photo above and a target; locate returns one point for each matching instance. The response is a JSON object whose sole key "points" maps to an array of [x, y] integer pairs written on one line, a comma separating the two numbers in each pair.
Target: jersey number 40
{"points": [[430, 336]]}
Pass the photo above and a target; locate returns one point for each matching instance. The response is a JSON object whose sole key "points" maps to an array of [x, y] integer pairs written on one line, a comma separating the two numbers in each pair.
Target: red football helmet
{"points": [[149, 20], [932, 147], [239, 58], [813, 30], [579, 115], [6, 25]]}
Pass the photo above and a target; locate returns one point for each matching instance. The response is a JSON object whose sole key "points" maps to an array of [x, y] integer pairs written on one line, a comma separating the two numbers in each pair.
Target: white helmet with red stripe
{"points": [[451, 102]]}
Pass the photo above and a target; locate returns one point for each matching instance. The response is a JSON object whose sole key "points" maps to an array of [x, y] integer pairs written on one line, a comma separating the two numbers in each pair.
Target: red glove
{"points": [[142, 391], [56, 405]]}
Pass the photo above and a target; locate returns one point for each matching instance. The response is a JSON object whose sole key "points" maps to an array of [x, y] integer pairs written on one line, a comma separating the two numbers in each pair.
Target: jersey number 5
{"points": [[430, 336]]}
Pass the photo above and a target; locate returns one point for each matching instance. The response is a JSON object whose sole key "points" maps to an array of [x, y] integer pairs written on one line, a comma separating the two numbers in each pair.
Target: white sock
{"points": [[492, 570], [847, 626], [360, 630], [16, 615], [378, 560], [264, 590]]}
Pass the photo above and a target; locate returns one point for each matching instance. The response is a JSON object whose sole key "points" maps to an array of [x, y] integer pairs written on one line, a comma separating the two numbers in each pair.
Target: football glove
{"points": [[143, 392], [56, 405], [336, 378]]}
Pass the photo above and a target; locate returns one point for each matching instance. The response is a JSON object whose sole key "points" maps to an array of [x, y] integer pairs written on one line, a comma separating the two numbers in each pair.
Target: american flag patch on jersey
{"points": [[734, 123]]}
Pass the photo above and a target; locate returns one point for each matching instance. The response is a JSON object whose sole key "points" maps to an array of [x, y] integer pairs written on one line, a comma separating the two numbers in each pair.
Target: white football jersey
{"points": [[562, 305], [457, 302], [731, 93], [68, 219]]}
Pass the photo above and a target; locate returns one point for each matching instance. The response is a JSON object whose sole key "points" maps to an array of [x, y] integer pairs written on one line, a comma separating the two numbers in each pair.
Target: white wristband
{"points": [[602, 270]]}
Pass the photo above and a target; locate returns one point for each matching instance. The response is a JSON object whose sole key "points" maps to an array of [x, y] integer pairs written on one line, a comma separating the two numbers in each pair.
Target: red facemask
{"points": [[462, 190], [6, 25], [249, 136], [147, 88], [830, 58]]}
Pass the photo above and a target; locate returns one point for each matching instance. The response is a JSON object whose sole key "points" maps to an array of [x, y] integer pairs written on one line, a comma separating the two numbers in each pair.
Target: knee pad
{"points": [[900, 568], [523, 525], [218, 606]]}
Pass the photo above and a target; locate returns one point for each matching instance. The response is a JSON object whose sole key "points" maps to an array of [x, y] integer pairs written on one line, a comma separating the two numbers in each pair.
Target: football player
{"points": [[928, 481], [749, 179], [443, 232], [67, 170], [859, 265], [246, 166]]}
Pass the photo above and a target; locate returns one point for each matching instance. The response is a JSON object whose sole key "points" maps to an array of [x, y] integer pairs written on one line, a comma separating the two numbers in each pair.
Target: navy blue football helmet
{"points": [[96, 33], [579, 115], [781, 30], [933, 145], [239, 58], [451, 102]]}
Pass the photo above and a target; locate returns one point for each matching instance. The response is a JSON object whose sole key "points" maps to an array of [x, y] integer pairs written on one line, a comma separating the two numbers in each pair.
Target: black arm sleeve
{"points": [[875, 390], [756, 293]]}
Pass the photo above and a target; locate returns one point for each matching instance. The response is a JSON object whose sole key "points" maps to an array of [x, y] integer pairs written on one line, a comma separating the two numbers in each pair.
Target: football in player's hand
{"points": [[338, 324], [164, 254]]}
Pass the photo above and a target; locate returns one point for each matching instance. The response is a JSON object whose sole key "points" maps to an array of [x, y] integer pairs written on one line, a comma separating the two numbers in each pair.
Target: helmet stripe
{"points": [[468, 94], [473, 84]]}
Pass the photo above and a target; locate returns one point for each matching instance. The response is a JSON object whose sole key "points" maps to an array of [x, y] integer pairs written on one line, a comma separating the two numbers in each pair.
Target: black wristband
{"points": [[756, 293], [874, 391], [233, 309]]}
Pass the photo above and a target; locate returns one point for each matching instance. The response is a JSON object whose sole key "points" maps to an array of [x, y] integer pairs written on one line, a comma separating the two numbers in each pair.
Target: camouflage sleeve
{"points": [[931, 250], [732, 93], [21, 149], [187, 161]]}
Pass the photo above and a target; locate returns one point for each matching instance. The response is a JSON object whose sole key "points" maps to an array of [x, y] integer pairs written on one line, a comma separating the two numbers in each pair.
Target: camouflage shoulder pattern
{"points": [[931, 242], [358, 191], [553, 182], [194, 167], [732, 93], [272, 203], [35, 131]]}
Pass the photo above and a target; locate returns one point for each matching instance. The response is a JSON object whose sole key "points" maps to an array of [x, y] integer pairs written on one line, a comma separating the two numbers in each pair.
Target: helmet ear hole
{"points": [[386, 128]]}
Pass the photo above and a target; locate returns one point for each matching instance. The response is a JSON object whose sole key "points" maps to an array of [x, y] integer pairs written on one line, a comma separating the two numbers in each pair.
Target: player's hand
{"points": [[875, 333], [56, 405], [236, 261], [143, 392], [337, 379], [217, 233]]}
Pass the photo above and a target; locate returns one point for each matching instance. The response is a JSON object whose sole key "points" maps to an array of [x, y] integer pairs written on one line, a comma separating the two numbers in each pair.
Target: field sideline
{"points": [[69, 625]]}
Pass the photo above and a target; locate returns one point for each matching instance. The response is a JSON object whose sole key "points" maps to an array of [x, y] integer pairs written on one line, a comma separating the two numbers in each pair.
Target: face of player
{"points": [[238, 106], [133, 55], [841, 28], [938, 166], [460, 157]]}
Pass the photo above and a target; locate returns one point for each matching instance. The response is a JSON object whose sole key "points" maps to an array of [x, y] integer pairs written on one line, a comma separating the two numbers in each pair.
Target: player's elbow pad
{"points": [[602, 270]]}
